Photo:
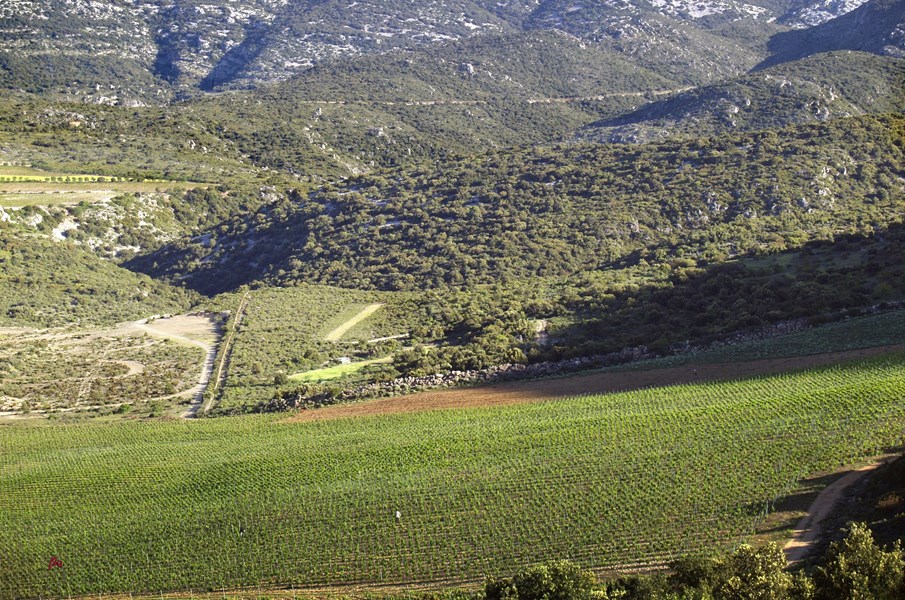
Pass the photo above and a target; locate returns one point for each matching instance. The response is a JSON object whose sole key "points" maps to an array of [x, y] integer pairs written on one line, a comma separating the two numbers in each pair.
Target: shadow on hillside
{"points": [[237, 58], [754, 296], [868, 28], [689, 303]]}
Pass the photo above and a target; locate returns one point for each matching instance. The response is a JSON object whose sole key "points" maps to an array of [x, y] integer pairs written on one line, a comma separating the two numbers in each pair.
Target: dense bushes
{"points": [[855, 568], [557, 581], [520, 214]]}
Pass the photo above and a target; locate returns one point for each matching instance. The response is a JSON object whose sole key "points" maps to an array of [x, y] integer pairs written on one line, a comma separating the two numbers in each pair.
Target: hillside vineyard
{"points": [[452, 299]]}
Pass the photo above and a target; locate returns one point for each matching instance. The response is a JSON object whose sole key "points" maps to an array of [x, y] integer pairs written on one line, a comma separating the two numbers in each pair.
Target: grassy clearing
{"points": [[125, 186], [10, 170], [329, 373], [57, 177], [23, 193], [10, 174], [55, 198], [603, 480], [337, 333]]}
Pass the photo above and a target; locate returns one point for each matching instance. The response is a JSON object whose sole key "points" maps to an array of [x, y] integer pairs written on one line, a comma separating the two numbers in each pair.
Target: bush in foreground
{"points": [[856, 568]]}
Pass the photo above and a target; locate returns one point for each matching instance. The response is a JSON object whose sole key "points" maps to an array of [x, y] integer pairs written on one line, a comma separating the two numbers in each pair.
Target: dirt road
{"points": [[158, 328], [227, 353], [455, 102], [808, 530]]}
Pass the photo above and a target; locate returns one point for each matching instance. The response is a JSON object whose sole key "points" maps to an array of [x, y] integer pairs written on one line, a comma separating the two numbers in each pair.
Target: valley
{"points": [[456, 300]]}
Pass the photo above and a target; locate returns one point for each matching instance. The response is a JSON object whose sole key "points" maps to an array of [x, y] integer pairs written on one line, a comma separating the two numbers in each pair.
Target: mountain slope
{"points": [[818, 88], [146, 51], [877, 26], [99, 51], [48, 284], [555, 211], [403, 107], [409, 106]]}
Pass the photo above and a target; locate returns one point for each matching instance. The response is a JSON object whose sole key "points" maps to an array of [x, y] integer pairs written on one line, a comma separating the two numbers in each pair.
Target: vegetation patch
{"points": [[47, 284], [336, 372], [282, 332], [93, 372]]}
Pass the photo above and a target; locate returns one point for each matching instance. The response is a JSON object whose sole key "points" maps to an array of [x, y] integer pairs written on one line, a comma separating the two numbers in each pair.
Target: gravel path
{"points": [[808, 529], [207, 369]]}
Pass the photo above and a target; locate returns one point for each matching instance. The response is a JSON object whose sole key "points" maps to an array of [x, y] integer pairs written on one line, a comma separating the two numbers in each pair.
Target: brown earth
{"points": [[504, 394]]}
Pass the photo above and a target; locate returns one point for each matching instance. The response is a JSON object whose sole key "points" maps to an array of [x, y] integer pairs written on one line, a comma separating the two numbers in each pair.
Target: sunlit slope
{"points": [[606, 481]]}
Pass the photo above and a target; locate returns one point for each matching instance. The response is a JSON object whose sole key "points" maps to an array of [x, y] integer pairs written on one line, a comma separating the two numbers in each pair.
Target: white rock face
{"points": [[697, 9], [821, 12]]}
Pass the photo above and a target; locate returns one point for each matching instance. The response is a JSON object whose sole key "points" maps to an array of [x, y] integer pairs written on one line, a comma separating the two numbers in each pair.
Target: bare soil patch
{"points": [[200, 331], [134, 367], [185, 327], [595, 383], [79, 359]]}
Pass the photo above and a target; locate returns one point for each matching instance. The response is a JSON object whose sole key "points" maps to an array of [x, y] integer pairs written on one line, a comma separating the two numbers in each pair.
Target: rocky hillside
{"points": [[818, 88], [555, 211], [141, 51], [877, 26]]}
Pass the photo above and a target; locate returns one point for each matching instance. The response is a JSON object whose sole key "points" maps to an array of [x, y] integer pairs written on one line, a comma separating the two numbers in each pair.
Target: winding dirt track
{"points": [[207, 368], [504, 394], [808, 529]]}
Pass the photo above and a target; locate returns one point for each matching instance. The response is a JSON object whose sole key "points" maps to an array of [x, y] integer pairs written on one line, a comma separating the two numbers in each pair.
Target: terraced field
{"points": [[24, 186], [608, 481]]}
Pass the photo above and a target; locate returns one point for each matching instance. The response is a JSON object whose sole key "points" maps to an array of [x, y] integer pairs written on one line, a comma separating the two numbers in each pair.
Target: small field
{"points": [[54, 198], [349, 324], [20, 173], [10, 174], [610, 481], [285, 330], [25, 186], [330, 373], [62, 193]]}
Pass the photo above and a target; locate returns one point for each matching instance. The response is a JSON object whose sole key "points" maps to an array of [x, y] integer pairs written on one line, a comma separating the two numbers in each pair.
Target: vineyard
{"points": [[884, 329], [608, 481]]}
